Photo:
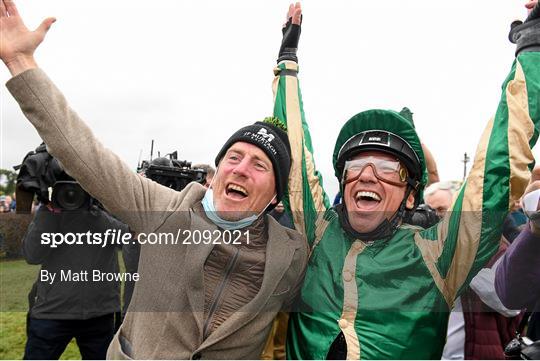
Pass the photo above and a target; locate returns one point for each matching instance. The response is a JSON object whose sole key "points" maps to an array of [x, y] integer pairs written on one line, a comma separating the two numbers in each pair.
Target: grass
{"points": [[16, 279]]}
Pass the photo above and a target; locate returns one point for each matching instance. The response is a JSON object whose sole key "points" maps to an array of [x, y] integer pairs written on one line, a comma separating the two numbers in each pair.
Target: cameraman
{"points": [[64, 303]]}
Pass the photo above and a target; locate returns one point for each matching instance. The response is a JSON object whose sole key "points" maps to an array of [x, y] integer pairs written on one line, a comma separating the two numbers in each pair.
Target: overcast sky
{"points": [[189, 73]]}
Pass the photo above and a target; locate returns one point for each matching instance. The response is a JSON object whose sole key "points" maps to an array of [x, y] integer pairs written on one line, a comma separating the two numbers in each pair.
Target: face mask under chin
{"points": [[229, 224]]}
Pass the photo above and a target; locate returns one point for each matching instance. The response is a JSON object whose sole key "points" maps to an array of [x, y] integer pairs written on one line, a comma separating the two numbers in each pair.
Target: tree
{"points": [[8, 180]]}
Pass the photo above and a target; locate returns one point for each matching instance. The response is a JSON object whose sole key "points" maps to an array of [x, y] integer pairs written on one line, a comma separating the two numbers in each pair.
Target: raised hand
{"points": [[294, 14], [530, 5], [17, 43], [291, 33], [525, 34]]}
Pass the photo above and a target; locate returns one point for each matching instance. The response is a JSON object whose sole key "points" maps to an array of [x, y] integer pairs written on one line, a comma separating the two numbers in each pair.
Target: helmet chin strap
{"points": [[384, 230]]}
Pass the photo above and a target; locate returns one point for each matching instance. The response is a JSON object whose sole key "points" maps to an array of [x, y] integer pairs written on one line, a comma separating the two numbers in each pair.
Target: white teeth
{"points": [[237, 188], [372, 195]]}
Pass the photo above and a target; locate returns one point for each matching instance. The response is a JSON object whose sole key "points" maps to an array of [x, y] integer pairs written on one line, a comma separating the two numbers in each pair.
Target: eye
{"points": [[233, 158], [261, 166]]}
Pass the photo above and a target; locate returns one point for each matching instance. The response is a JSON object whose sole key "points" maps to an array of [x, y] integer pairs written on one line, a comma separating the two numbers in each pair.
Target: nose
{"points": [[242, 168], [367, 175]]}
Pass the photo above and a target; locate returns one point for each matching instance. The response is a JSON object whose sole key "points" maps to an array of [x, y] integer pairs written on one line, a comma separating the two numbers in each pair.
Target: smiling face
{"points": [[244, 183], [370, 200]]}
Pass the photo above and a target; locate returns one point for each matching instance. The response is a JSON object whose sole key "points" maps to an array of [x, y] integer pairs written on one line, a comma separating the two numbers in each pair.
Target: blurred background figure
{"points": [[281, 216], [439, 196], [518, 275], [514, 223]]}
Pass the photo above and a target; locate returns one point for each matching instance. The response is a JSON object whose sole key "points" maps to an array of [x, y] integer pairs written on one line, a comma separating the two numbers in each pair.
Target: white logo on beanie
{"points": [[263, 139], [265, 135]]}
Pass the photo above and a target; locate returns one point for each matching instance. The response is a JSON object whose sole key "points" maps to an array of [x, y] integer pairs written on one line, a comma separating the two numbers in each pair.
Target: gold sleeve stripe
{"points": [[296, 137], [350, 301], [470, 223], [520, 131], [320, 227], [469, 229], [431, 251], [314, 184]]}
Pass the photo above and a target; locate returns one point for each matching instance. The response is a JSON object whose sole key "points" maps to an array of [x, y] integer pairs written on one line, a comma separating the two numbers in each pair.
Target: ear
{"points": [[410, 201], [274, 200]]}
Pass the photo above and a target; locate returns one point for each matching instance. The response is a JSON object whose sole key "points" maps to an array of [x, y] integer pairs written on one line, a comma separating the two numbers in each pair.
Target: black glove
{"points": [[526, 35], [289, 44]]}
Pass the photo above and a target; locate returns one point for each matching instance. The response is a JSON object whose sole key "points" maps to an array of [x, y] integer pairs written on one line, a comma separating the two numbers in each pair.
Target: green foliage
{"points": [[275, 121], [8, 180]]}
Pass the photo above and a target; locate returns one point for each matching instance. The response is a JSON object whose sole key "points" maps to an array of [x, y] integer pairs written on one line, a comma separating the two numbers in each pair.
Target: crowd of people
{"points": [[8, 203], [402, 266]]}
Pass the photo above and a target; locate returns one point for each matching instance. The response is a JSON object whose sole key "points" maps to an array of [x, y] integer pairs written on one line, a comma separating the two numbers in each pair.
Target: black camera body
{"points": [[37, 173], [424, 216], [171, 172], [522, 348]]}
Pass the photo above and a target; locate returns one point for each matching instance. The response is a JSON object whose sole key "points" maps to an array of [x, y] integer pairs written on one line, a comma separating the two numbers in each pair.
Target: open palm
{"points": [[15, 38]]}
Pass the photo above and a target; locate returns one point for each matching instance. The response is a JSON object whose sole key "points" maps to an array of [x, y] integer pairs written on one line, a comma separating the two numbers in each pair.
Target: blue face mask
{"points": [[211, 213]]}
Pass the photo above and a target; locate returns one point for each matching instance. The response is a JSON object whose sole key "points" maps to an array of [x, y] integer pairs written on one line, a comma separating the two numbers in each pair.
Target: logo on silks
{"points": [[263, 138]]}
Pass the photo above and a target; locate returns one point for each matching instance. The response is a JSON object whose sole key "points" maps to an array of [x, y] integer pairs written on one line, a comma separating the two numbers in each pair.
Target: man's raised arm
{"points": [[99, 171], [306, 197], [458, 247]]}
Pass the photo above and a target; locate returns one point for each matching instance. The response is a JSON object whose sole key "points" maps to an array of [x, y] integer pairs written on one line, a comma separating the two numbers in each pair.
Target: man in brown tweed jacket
{"points": [[192, 301]]}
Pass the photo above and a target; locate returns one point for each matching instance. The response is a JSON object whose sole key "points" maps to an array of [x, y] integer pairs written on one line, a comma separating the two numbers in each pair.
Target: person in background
{"points": [[281, 216], [517, 279], [514, 223], [13, 205], [439, 196], [80, 308], [3, 207]]}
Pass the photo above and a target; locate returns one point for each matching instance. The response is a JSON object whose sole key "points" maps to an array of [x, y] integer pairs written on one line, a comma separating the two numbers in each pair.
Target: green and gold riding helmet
{"points": [[386, 131]]}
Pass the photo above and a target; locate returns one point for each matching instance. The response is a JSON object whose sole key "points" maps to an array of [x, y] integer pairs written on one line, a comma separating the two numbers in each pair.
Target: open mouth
{"points": [[236, 191], [367, 200]]}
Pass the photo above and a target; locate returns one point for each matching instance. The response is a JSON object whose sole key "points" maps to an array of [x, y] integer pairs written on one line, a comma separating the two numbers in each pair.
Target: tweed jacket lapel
{"points": [[279, 255]]}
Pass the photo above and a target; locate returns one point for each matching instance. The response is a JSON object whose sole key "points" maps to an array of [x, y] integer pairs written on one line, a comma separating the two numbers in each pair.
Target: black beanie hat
{"points": [[274, 142]]}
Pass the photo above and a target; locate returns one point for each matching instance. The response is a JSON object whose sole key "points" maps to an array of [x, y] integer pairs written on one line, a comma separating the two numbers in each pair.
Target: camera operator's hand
{"points": [[17, 43], [291, 33]]}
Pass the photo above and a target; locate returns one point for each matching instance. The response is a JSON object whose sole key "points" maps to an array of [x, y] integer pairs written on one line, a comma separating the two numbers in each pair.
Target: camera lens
{"points": [[69, 196]]}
